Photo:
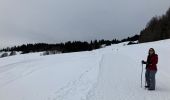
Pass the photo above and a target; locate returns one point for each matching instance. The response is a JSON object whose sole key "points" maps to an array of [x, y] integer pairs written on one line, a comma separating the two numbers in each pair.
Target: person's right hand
{"points": [[143, 62]]}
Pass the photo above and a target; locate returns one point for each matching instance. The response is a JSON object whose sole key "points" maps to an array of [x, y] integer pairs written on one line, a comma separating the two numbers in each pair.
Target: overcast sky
{"points": [[54, 21]]}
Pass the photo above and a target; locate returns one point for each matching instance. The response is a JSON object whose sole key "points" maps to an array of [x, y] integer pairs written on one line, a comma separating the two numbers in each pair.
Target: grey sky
{"points": [[52, 21]]}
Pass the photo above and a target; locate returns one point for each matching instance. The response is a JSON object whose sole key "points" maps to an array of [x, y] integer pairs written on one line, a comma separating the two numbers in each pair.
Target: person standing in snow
{"points": [[151, 69]]}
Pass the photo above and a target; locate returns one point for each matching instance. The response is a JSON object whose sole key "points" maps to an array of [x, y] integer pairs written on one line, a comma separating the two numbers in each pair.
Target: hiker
{"points": [[151, 69]]}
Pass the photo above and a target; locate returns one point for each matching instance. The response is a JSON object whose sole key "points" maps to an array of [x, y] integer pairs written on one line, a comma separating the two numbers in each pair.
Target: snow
{"points": [[110, 73]]}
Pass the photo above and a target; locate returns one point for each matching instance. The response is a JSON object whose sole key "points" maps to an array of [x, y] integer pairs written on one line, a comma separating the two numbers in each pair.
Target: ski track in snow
{"points": [[23, 68], [80, 85]]}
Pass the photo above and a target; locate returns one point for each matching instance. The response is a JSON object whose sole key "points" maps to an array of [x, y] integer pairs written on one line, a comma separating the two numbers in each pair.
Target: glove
{"points": [[143, 62]]}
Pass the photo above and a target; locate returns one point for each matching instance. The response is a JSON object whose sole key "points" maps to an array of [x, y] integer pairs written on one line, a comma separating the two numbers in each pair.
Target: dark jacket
{"points": [[152, 61]]}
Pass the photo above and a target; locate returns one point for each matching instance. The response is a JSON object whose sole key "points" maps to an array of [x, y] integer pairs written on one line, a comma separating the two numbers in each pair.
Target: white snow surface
{"points": [[110, 73]]}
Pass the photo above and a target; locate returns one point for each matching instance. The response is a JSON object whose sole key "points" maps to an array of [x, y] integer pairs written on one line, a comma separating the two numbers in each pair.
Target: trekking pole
{"points": [[141, 75]]}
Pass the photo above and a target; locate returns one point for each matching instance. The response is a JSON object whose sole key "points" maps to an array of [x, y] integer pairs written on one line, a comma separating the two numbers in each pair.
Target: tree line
{"points": [[70, 46], [158, 28]]}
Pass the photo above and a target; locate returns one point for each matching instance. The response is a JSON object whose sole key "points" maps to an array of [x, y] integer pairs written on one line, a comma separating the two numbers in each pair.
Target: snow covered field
{"points": [[111, 73]]}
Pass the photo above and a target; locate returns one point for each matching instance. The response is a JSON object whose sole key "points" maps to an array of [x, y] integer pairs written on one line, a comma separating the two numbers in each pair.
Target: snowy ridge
{"points": [[111, 73]]}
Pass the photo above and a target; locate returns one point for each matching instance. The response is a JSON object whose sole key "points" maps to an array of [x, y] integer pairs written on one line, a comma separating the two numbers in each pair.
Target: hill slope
{"points": [[111, 73]]}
